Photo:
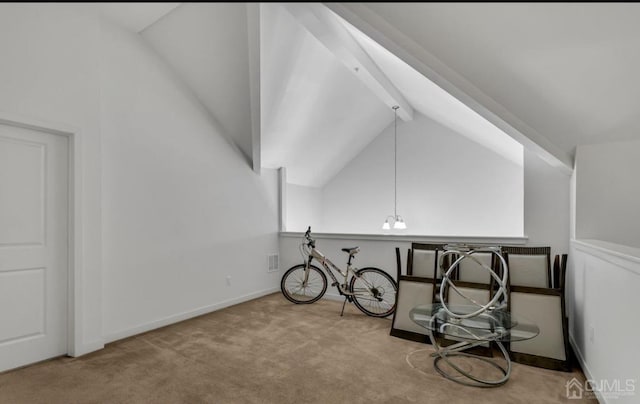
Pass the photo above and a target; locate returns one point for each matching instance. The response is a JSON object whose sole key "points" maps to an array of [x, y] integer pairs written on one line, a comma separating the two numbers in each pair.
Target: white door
{"points": [[33, 246]]}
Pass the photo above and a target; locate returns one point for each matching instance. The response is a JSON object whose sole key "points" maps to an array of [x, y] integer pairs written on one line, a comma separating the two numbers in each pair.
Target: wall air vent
{"points": [[274, 262]]}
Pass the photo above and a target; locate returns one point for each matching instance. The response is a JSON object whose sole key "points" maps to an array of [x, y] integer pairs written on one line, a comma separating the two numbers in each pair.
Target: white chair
{"points": [[471, 271], [412, 291], [422, 260], [545, 307], [529, 266], [479, 293]]}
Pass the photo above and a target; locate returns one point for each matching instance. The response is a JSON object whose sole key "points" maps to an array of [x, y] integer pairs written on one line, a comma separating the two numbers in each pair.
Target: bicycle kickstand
{"points": [[343, 304]]}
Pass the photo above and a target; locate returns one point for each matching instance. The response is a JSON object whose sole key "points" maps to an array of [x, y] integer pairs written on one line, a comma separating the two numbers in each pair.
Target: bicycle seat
{"points": [[351, 251]]}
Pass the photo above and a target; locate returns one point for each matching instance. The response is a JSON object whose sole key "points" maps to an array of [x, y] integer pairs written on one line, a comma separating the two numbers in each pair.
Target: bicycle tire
{"points": [[374, 292], [292, 281]]}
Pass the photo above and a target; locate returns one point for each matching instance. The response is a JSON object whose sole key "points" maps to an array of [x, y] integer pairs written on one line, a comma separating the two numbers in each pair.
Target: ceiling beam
{"points": [[374, 26], [324, 25], [253, 37]]}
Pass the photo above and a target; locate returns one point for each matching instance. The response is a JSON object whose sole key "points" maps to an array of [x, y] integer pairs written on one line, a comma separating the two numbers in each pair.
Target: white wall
{"points": [[182, 210], [546, 221], [182, 207], [546, 204], [49, 73], [447, 185], [306, 203], [604, 274], [603, 299], [607, 192]]}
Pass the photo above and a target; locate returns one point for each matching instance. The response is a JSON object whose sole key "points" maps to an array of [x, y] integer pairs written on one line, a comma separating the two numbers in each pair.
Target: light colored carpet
{"points": [[267, 351]]}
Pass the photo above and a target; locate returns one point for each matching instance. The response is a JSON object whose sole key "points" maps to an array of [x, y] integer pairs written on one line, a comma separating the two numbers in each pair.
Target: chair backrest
{"points": [[398, 264], [545, 307], [422, 260], [412, 291], [471, 271], [481, 294], [529, 266], [559, 271], [478, 292]]}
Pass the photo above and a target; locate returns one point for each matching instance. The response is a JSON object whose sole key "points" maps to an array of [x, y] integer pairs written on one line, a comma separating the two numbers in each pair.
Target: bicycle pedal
{"points": [[334, 284]]}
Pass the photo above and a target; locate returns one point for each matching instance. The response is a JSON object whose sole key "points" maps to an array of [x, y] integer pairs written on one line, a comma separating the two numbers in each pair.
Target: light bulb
{"points": [[399, 224]]}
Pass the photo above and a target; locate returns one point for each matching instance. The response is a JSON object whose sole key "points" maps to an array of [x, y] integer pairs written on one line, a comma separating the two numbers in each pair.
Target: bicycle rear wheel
{"points": [[374, 292], [297, 290]]}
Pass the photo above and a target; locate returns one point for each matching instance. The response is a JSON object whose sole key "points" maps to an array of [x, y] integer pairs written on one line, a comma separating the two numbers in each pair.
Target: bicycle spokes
{"points": [[374, 292], [303, 285]]}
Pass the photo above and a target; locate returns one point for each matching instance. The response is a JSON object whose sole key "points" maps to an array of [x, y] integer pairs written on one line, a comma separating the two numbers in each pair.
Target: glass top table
{"points": [[473, 324], [491, 325]]}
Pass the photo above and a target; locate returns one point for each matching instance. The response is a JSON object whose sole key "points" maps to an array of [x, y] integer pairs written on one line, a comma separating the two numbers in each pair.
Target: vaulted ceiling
{"points": [[550, 75], [316, 114], [569, 71], [328, 91], [135, 16]]}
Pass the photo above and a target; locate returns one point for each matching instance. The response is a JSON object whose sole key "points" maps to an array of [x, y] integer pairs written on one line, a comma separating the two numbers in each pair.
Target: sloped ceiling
{"points": [[568, 70], [432, 101], [316, 115], [206, 44], [135, 16]]}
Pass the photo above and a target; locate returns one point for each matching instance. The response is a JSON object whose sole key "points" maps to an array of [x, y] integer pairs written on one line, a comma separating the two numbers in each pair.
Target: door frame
{"points": [[75, 346]]}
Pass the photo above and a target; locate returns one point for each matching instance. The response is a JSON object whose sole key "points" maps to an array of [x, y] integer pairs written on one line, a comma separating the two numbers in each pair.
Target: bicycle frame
{"points": [[371, 289], [329, 267]]}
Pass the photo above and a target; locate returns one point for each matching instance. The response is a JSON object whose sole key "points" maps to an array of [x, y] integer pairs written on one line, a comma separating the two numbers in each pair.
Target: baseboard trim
{"points": [[163, 322], [587, 372], [84, 349]]}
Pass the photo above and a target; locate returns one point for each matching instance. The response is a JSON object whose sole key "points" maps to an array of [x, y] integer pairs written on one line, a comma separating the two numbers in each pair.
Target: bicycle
{"points": [[372, 290]]}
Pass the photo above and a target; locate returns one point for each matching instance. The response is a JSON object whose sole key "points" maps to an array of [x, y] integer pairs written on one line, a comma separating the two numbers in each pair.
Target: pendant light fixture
{"points": [[398, 222]]}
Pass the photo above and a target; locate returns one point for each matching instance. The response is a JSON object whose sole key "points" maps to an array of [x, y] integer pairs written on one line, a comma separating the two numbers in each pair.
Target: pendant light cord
{"points": [[395, 162]]}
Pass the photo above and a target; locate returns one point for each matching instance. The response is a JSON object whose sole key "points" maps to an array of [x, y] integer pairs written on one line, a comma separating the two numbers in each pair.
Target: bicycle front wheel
{"points": [[374, 292], [299, 288]]}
